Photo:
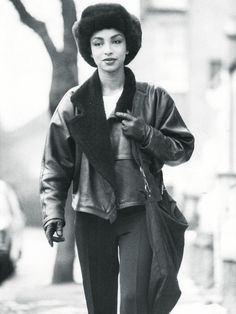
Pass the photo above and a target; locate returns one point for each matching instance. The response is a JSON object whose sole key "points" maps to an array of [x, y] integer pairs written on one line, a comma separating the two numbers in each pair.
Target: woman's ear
{"points": [[127, 52]]}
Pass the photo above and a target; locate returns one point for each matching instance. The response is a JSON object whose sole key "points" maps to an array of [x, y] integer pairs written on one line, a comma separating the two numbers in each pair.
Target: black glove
{"points": [[52, 226], [134, 127]]}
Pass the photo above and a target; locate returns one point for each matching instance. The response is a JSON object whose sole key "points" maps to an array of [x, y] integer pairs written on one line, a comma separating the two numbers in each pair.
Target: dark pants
{"points": [[98, 242]]}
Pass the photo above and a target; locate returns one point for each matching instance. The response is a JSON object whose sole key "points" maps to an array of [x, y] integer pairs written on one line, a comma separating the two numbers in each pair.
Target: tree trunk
{"points": [[63, 268], [65, 76]]}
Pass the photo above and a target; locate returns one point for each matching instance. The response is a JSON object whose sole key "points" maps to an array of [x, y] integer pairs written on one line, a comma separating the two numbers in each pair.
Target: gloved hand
{"points": [[54, 225], [134, 127]]}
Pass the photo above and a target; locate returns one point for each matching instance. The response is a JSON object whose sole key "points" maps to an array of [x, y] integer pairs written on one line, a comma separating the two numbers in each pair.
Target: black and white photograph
{"points": [[118, 157]]}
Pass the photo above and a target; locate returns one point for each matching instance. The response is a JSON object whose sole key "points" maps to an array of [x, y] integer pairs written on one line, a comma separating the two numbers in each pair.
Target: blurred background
{"points": [[189, 48]]}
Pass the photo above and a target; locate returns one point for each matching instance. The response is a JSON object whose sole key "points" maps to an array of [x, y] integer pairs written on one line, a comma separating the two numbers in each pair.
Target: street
{"points": [[29, 291]]}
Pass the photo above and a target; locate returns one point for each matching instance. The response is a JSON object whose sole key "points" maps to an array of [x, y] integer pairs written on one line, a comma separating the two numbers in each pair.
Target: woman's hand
{"points": [[54, 225], [134, 127]]}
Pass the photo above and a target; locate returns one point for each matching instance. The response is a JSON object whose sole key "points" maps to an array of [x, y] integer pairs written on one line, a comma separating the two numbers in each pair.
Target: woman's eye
{"points": [[117, 41], [97, 44]]}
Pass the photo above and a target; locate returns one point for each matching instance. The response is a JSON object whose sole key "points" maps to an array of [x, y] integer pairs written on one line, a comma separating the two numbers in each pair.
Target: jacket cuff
{"points": [[52, 214]]}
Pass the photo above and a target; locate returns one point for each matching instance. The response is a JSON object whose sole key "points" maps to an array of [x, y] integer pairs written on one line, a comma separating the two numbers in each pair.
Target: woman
{"points": [[110, 137]]}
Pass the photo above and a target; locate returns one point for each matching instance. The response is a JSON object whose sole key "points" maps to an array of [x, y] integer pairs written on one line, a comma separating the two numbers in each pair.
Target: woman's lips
{"points": [[109, 60]]}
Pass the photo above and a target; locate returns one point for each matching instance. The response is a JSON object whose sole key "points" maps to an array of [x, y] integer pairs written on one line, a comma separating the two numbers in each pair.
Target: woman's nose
{"points": [[107, 49]]}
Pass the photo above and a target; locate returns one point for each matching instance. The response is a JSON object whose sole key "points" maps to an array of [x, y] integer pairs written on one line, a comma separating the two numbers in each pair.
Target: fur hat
{"points": [[104, 16]]}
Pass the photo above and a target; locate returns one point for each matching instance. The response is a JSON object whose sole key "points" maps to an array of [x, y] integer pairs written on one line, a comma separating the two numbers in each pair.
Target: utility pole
{"points": [[231, 36]]}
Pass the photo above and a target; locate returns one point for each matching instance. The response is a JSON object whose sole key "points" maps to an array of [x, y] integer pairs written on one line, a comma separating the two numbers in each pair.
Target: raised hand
{"points": [[134, 127]]}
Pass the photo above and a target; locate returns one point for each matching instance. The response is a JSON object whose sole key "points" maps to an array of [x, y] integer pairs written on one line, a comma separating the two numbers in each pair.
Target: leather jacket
{"points": [[74, 131]]}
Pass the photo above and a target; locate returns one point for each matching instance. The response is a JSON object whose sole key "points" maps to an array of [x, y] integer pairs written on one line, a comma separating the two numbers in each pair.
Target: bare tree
{"points": [[64, 76]]}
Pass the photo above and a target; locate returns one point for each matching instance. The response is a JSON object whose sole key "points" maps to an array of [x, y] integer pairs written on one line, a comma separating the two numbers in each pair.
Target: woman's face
{"points": [[108, 48]]}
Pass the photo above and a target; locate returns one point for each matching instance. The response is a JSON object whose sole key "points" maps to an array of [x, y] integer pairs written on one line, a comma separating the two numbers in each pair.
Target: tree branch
{"points": [[36, 25], [69, 17]]}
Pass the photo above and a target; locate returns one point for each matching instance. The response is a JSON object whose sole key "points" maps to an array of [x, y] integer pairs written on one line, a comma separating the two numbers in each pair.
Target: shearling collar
{"points": [[89, 127], [91, 92]]}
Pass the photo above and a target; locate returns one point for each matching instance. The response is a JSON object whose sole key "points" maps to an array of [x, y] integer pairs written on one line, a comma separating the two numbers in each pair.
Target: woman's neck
{"points": [[111, 82]]}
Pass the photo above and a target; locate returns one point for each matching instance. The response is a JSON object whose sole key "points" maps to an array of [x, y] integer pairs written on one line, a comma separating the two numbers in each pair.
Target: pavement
{"points": [[29, 291]]}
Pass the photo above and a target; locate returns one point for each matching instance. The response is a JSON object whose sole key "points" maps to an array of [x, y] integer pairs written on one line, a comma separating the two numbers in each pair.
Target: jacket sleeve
{"points": [[169, 139], [57, 164]]}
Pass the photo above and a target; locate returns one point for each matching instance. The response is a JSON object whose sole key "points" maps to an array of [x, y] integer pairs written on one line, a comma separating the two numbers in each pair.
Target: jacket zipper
{"points": [[146, 185]]}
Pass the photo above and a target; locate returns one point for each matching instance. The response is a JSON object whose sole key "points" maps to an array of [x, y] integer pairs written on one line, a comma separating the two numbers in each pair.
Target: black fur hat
{"points": [[107, 15]]}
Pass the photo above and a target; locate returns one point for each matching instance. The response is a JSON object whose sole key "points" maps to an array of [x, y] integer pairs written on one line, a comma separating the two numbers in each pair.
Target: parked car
{"points": [[12, 222]]}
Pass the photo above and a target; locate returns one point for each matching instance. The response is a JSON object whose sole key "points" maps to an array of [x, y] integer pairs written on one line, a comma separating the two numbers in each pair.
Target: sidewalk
{"points": [[30, 292], [48, 299]]}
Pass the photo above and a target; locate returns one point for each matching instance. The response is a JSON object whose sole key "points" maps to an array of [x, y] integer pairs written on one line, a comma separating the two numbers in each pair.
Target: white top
{"points": [[110, 102]]}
